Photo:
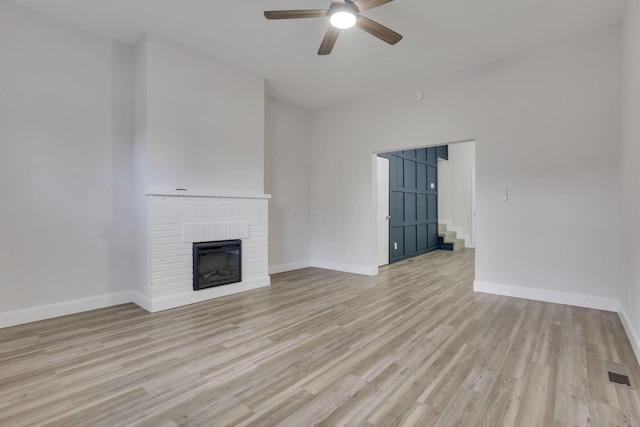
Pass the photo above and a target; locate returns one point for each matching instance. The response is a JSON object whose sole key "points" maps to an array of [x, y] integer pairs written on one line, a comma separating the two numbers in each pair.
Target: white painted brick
{"points": [[160, 240], [163, 268], [156, 235], [176, 222], [172, 259], [178, 275], [220, 231], [163, 281], [186, 264], [160, 227], [172, 233], [176, 246], [185, 278], [168, 220]]}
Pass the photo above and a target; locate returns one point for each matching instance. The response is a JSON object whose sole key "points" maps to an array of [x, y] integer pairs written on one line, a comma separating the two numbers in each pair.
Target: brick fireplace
{"points": [[176, 222]]}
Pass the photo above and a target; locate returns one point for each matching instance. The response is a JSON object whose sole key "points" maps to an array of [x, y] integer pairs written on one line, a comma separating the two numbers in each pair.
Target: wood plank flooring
{"points": [[412, 346]]}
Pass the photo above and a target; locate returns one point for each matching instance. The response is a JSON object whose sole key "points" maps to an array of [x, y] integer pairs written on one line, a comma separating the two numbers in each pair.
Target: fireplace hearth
{"points": [[216, 263]]}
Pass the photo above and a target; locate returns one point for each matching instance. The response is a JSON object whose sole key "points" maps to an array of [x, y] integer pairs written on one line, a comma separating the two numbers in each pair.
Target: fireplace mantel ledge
{"points": [[193, 193]]}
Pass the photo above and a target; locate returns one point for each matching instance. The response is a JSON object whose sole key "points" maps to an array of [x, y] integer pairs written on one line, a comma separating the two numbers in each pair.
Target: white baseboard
{"points": [[282, 268], [557, 297], [468, 241], [49, 311], [141, 300], [173, 301], [632, 334], [346, 268]]}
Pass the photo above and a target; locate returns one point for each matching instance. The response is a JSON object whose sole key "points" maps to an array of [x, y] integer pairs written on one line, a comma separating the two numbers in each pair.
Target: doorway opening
{"points": [[424, 200]]}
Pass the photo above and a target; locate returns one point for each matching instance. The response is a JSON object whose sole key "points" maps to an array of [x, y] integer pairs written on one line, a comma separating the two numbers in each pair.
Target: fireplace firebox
{"points": [[216, 263]]}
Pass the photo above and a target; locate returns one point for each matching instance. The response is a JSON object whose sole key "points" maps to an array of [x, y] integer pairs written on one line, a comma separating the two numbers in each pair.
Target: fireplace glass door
{"points": [[216, 263]]}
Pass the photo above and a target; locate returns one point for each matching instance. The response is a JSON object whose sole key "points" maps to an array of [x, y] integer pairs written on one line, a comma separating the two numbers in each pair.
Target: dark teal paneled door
{"points": [[413, 202]]}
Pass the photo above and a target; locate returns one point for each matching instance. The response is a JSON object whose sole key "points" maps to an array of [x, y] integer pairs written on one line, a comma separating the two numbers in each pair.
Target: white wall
{"points": [[630, 174], [65, 164], [546, 125], [199, 125], [287, 179], [140, 106], [205, 122], [455, 190]]}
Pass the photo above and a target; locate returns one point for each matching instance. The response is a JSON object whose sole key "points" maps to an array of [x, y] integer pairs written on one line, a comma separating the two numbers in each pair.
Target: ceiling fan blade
{"points": [[295, 14], [378, 30], [329, 41], [370, 4]]}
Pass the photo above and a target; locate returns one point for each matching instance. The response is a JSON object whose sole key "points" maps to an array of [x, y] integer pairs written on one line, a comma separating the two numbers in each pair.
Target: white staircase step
{"points": [[458, 244], [448, 236]]}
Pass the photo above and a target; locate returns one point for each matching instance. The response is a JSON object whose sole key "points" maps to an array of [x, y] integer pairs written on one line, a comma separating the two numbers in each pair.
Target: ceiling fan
{"points": [[342, 14]]}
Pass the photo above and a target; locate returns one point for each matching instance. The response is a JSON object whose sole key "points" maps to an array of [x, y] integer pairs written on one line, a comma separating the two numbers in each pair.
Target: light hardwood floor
{"points": [[412, 346]]}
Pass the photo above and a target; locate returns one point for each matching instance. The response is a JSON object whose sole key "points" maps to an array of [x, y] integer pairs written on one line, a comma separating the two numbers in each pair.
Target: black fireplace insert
{"points": [[216, 263]]}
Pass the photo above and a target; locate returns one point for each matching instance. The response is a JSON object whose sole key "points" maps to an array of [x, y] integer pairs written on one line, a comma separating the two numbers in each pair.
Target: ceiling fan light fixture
{"points": [[343, 19], [342, 14]]}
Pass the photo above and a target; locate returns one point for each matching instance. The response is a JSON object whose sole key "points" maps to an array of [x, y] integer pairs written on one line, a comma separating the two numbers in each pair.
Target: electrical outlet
{"points": [[395, 246]]}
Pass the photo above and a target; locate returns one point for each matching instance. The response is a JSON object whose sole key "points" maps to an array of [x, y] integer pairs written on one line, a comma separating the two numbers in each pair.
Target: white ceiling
{"points": [[439, 36]]}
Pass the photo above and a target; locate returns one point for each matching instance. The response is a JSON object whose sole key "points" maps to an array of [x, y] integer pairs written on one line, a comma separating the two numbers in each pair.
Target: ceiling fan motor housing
{"points": [[348, 6]]}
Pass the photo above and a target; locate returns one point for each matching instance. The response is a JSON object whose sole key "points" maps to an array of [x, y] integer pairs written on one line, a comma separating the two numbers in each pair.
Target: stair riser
{"points": [[449, 239]]}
